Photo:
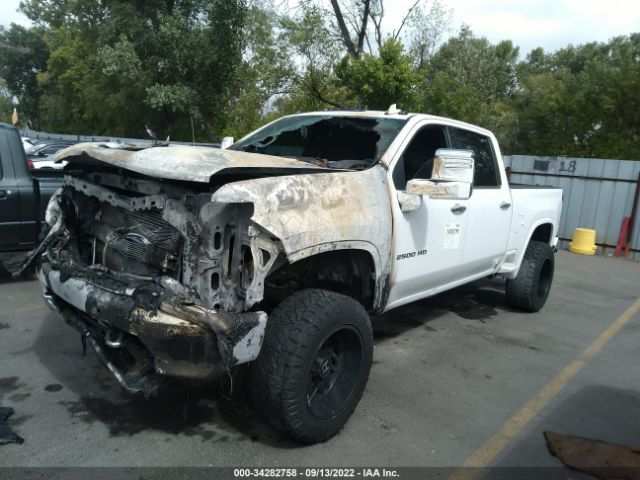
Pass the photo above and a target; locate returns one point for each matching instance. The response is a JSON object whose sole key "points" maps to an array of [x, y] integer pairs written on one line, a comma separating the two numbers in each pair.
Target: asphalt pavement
{"points": [[457, 378]]}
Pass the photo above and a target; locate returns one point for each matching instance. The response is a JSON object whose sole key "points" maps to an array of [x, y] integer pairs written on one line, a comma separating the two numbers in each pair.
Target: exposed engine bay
{"points": [[125, 261], [167, 259]]}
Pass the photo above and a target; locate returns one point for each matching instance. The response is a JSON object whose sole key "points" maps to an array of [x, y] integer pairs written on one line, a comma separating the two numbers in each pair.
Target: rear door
{"points": [[489, 209], [9, 197]]}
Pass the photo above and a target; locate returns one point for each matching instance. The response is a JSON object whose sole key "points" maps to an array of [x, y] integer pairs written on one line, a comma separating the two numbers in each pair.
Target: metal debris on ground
{"points": [[600, 459], [6, 434]]}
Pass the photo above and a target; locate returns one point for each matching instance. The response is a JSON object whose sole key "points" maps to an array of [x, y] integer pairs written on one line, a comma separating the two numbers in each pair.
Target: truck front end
{"points": [[159, 280]]}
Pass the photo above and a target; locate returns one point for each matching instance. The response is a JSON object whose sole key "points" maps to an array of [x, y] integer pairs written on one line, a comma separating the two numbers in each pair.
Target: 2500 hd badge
{"points": [[404, 256]]}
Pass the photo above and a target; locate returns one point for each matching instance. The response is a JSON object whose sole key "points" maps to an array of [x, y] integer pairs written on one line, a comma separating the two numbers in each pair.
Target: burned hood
{"points": [[182, 162]]}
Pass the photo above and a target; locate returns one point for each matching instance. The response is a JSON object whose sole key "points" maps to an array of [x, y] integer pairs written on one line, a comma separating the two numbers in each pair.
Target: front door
{"points": [[429, 242], [9, 198]]}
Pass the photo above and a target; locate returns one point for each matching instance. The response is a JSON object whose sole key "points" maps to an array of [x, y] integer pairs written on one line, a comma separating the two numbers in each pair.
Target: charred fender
{"points": [[315, 213]]}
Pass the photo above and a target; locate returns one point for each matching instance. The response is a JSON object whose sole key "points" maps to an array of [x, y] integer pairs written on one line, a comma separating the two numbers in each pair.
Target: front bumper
{"points": [[159, 330]]}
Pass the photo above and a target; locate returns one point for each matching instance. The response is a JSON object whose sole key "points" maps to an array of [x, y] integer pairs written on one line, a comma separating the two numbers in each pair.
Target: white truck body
{"points": [[493, 231], [202, 258]]}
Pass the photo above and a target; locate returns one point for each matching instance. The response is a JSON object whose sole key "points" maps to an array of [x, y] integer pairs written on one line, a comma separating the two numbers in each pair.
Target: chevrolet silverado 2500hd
{"points": [[181, 261]]}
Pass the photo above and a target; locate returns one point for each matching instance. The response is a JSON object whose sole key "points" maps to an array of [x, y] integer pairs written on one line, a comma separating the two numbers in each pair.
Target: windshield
{"points": [[327, 140], [34, 148]]}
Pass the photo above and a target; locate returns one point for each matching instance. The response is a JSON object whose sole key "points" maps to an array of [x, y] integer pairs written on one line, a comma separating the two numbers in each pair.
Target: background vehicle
{"points": [[23, 196], [188, 262], [38, 154], [26, 142]]}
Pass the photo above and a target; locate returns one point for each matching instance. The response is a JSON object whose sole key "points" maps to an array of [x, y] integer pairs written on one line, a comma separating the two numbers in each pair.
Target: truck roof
{"points": [[400, 115], [7, 126]]}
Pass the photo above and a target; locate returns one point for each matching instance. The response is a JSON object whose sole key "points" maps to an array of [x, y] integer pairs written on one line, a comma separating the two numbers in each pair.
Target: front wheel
{"points": [[530, 289], [314, 364]]}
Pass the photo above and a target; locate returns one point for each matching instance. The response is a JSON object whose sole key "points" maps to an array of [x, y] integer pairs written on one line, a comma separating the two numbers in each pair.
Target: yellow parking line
{"points": [[5, 313], [514, 426]]}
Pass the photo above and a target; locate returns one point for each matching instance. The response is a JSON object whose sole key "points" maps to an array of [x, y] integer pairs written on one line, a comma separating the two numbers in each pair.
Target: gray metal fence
{"points": [[597, 193], [45, 136]]}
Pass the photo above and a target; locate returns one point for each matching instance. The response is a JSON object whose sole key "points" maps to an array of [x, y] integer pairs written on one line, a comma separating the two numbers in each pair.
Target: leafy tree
{"points": [[265, 74], [23, 55], [116, 66], [581, 101], [6, 104], [313, 43], [470, 79], [378, 81], [427, 28], [475, 62]]}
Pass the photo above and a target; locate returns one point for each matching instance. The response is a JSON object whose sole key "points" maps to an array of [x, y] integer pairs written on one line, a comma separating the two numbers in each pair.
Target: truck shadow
{"points": [[5, 277], [200, 410], [480, 300], [189, 409]]}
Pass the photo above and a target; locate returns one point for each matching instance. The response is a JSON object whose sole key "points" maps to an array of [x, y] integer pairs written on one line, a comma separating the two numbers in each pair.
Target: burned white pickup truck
{"points": [[180, 261]]}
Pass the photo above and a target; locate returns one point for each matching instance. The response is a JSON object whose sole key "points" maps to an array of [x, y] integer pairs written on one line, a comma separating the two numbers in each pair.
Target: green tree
{"points": [[314, 85], [116, 66], [23, 56], [377, 81], [470, 79], [581, 101], [6, 103], [265, 74]]}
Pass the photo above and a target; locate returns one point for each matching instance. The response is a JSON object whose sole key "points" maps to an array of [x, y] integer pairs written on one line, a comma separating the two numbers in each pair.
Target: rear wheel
{"points": [[314, 364], [530, 289]]}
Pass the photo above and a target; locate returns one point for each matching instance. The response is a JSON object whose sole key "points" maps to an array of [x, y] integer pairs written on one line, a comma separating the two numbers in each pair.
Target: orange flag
{"points": [[14, 117]]}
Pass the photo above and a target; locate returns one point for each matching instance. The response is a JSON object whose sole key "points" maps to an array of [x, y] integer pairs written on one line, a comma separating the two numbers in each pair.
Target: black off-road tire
{"points": [[304, 330], [530, 289]]}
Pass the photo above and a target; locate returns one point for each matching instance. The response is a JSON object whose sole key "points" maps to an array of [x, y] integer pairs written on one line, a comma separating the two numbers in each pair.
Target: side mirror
{"points": [[409, 202], [451, 178], [226, 142]]}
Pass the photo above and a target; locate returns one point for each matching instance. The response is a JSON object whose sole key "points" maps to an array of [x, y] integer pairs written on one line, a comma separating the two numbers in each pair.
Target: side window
{"points": [[417, 159], [51, 150], [485, 169]]}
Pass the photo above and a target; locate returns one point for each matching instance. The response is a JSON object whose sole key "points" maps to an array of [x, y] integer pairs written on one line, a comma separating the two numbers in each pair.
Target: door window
{"points": [[485, 172], [51, 149], [417, 159]]}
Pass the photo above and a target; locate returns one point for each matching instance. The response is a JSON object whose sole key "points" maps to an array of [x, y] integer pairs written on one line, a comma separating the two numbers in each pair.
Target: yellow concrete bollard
{"points": [[584, 241]]}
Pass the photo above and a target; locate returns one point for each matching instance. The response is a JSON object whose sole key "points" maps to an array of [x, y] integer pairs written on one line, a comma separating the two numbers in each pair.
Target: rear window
{"points": [[485, 168]]}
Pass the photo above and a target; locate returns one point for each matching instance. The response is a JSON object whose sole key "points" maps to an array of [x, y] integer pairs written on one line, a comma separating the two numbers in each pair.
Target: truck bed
{"points": [[533, 205], [522, 186]]}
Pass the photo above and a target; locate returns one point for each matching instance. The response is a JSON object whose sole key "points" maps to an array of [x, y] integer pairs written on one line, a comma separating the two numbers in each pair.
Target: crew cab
{"points": [[184, 261], [23, 197]]}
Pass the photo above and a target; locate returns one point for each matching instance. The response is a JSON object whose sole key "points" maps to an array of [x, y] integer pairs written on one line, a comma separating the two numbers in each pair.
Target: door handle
{"points": [[458, 209], [3, 194], [505, 205]]}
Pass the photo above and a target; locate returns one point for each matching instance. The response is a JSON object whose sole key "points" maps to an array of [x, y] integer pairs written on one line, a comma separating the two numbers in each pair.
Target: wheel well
{"points": [[350, 272], [543, 233]]}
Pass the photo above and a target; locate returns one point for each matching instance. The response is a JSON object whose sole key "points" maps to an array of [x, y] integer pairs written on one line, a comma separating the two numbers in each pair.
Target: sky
{"points": [[550, 24]]}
